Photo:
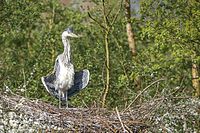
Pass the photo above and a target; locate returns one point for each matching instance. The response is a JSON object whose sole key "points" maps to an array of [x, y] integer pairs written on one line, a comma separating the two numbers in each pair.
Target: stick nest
{"points": [[19, 114]]}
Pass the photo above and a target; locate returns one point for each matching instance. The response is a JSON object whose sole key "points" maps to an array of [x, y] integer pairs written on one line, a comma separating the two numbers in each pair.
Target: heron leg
{"points": [[59, 93], [66, 100]]}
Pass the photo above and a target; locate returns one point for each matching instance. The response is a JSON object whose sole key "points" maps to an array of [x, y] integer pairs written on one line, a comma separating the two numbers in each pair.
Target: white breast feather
{"points": [[65, 79]]}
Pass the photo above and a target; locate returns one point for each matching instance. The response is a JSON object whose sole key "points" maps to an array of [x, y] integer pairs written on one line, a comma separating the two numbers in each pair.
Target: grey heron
{"points": [[64, 81]]}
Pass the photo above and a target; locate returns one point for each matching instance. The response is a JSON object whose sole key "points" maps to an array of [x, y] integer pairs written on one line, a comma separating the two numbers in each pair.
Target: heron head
{"points": [[69, 33]]}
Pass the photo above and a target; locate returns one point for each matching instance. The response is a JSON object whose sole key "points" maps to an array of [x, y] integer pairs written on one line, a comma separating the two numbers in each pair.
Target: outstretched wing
{"points": [[49, 80], [81, 80], [56, 69]]}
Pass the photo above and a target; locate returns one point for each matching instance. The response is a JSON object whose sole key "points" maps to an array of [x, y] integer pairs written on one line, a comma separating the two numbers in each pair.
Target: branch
{"points": [[142, 92], [116, 15], [90, 16], [118, 115]]}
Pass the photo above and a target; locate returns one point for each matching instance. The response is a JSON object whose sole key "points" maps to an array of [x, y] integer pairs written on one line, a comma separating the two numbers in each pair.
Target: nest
{"points": [[19, 114]]}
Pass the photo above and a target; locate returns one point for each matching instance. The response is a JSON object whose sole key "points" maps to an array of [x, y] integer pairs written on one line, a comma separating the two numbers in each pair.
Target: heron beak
{"points": [[74, 35]]}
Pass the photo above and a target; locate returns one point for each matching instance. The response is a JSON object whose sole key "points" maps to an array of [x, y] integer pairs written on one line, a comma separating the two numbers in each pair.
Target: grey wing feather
{"points": [[56, 69], [81, 80]]}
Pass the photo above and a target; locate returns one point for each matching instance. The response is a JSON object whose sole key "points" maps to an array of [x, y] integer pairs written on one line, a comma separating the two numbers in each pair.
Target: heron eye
{"points": [[70, 29]]}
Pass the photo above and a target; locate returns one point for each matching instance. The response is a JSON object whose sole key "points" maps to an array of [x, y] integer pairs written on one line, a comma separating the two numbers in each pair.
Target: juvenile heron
{"points": [[64, 68], [64, 82]]}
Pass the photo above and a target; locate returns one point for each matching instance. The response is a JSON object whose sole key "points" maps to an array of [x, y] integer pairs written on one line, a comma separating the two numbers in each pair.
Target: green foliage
{"points": [[30, 42], [172, 33]]}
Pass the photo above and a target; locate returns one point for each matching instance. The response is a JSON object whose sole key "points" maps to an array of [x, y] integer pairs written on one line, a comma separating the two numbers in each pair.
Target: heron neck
{"points": [[66, 53]]}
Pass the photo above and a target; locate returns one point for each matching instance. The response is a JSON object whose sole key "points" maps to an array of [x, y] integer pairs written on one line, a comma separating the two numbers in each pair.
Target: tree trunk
{"points": [[107, 71], [106, 88], [131, 40], [195, 79]]}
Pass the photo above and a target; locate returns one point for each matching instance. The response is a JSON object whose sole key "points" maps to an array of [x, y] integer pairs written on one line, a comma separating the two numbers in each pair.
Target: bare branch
{"points": [[118, 115], [116, 15], [143, 91], [90, 16]]}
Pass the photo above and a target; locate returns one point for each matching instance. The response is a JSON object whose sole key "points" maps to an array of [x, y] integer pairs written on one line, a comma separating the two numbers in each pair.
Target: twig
{"points": [[107, 125], [116, 15], [90, 16], [85, 104], [128, 129], [120, 120], [142, 92]]}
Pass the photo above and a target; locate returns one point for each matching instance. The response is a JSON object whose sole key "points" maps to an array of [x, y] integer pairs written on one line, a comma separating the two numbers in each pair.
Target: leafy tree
{"points": [[170, 30]]}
